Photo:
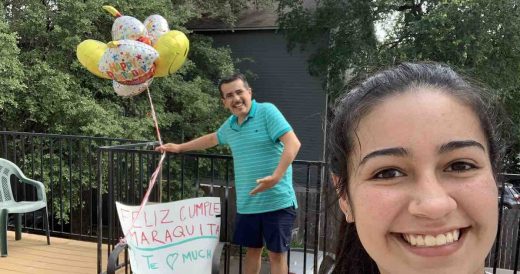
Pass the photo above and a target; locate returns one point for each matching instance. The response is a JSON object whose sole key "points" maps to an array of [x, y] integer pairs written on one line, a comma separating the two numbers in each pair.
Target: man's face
{"points": [[237, 98]]}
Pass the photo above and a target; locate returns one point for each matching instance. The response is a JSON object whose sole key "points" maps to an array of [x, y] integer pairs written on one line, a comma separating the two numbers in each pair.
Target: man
{"points": [[263, 146]]}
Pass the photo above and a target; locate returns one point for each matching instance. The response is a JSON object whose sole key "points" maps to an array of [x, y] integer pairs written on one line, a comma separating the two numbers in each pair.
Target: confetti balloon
{"points": [[138, 53], [127, 27], [130, 90], [156, 26], [128, 62]]}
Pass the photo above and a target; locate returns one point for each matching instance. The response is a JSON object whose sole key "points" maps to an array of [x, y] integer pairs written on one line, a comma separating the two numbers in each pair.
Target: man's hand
{"points": [[169, 147], [291, 147], [264, 184]]}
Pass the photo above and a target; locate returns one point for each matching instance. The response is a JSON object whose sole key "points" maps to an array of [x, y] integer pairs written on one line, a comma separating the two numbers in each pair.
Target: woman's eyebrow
{"points": [[393, 151], [453, 145]]}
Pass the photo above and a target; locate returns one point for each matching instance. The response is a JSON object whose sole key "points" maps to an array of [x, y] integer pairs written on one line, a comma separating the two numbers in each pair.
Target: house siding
{"points": [[282, 78]]}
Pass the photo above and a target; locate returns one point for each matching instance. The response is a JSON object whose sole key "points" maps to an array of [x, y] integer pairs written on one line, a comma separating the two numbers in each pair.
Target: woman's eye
{"points": [[388, 174], [460, 166]]}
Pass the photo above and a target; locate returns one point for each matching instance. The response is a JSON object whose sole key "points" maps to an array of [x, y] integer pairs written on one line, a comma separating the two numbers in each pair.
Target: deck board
{"points": [[32, 255]]}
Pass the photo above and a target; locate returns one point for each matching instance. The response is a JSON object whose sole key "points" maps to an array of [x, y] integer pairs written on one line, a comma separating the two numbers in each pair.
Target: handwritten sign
{"points": [[174, 237]]}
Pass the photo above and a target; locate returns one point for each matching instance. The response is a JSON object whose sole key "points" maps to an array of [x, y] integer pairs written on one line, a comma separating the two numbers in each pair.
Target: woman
{"points": [[414, 154]]}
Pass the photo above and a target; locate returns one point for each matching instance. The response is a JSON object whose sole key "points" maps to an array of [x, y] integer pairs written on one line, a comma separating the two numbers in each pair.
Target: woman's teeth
{"points": [[432, 240]]}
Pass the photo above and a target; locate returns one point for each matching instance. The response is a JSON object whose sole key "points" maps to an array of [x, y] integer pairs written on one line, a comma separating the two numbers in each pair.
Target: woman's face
{"points": [[422, 191]]}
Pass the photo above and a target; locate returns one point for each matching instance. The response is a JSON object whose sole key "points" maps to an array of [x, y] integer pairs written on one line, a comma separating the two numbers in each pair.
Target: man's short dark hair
{"points": [[230, 79]]}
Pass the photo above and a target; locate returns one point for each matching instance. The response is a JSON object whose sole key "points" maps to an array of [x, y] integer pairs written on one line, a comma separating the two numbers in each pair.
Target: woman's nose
{"points": [[431, 199]]}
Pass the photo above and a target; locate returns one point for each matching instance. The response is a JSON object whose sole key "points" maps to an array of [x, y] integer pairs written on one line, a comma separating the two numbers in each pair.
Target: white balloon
{"points": [[156, 26], [128, 61], [127, 27], [130, 90]]}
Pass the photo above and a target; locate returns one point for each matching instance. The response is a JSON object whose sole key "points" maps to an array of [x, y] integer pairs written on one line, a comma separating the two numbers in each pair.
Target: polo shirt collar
{"points": [[251, 114]]}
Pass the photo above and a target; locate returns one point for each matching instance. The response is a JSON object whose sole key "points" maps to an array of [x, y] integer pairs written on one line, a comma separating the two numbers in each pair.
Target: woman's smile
{"points": [[432, 244], [431, 240]]}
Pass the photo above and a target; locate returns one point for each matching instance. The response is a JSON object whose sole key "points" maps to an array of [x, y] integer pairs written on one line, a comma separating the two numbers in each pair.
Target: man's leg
{"points": [[277, 226], [278, 262], [248, 233], [253, 260]]}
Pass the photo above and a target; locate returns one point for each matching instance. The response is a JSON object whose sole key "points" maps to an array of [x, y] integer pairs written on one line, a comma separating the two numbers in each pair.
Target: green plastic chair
{"points": [[9, 206]]}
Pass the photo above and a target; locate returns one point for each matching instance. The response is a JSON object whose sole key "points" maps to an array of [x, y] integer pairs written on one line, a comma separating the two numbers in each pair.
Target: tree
{"points": [[63, 97], [45, 89], [478, 37], [11, 74]]}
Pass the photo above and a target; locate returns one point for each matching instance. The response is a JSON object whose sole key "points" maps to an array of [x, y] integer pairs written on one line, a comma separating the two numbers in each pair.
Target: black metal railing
{"points": [[505, 252], [85, 175], [191, 175], [66, 164]]}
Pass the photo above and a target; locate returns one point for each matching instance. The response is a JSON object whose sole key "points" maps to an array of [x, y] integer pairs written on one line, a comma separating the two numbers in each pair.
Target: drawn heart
{"points": [[171, 259]]}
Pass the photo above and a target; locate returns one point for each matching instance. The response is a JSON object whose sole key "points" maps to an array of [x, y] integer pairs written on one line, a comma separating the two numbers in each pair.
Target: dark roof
{"points": [[251, 19]]}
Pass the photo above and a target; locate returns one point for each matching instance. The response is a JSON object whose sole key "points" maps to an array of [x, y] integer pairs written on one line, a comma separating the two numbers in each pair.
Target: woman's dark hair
{"points": [[351, 257]]}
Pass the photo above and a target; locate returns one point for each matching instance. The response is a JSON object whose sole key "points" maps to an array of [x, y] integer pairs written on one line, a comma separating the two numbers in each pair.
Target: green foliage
{"points": [[11, 73], [45, 88], [225, 10], [478, 37]]}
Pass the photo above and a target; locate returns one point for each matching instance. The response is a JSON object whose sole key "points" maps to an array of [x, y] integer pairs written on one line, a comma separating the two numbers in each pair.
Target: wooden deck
{"points": [[33, 255]]}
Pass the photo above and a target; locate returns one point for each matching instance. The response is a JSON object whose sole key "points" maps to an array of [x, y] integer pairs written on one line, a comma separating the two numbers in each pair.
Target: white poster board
{"points": [[174, 237]]}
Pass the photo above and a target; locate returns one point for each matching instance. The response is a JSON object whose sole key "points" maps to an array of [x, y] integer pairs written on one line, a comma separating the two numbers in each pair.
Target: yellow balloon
{"points": [[173, 48], [112, 11], [89, 52]]}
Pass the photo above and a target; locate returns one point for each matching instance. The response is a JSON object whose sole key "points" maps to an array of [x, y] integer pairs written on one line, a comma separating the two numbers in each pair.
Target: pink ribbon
{"points": [[153, 179]]}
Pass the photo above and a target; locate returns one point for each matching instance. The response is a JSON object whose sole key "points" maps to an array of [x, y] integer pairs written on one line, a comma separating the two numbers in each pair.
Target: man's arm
{"points": [[201, 143], [291, 148]]}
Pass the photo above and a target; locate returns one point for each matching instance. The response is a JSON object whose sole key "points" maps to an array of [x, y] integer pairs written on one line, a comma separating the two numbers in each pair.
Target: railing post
{"points": [[497, 241], [226, 217], [324, 207], [307, 185], [80, 162], [99, 212], [517, 248], [317, 217], [110, 195], [60, 179], [51, 181]]}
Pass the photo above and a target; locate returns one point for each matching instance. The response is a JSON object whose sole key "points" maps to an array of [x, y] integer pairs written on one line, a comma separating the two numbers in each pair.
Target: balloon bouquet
{"points": [[137, 53]]}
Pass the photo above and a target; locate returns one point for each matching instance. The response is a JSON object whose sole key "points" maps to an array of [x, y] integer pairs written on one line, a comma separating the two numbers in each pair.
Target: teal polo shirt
{"points": [[256, 150]]}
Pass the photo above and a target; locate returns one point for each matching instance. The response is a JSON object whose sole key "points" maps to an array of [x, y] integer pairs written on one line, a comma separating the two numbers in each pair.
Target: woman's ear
{"points": [[347, 210], [343, 201]]}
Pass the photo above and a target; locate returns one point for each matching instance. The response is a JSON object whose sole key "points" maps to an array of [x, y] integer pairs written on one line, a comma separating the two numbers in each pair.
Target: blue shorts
{"points": [[272, 228]]}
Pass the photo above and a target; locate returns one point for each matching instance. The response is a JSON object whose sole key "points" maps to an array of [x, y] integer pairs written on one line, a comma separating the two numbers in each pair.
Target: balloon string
{"points": [[153, 179], [154, 116]]}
